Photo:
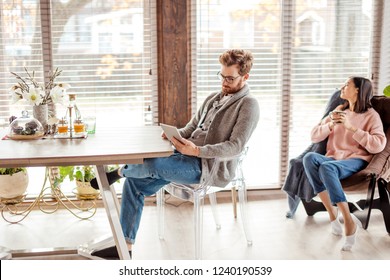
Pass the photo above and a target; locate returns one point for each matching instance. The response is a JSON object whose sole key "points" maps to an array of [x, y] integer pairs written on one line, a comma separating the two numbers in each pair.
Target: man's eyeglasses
{"points": [[228, 79]]}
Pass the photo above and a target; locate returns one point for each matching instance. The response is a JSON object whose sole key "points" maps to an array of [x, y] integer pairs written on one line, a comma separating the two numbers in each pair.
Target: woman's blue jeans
{"points": [[325, 173], [146, 179]]}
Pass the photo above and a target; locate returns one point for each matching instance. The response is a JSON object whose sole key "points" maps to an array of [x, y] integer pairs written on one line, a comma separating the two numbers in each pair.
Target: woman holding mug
{"points": [[355, 132]]}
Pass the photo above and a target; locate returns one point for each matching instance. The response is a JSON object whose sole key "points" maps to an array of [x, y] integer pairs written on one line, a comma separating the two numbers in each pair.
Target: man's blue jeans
{"points": [[325, 173], [146, 179]]}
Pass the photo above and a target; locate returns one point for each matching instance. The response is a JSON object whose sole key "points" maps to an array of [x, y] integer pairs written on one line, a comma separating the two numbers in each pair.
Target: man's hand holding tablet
{"points": [[171, 131], [181, 144]]}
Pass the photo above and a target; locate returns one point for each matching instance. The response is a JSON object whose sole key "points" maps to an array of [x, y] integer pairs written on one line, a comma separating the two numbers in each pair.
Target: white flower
{"points": [[34, 96], [57, 94], [16, 93], [64, 86]]}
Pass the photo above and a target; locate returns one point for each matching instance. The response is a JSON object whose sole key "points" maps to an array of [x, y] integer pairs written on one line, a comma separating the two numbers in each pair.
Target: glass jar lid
{"points": [[25, 127]]}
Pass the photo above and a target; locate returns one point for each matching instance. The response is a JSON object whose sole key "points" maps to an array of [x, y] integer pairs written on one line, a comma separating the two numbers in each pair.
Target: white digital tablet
{"points": [[171, 131]]}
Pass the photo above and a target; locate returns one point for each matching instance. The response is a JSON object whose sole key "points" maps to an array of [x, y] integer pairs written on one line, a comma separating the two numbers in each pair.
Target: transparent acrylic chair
{"points": [[197, 192]]}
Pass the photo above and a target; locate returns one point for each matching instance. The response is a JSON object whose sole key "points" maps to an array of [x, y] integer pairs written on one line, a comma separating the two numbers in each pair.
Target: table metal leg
{"points": [[88, 248], [111, 204]]}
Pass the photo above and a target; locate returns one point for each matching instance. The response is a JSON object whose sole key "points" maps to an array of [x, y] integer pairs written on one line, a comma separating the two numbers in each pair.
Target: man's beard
{"points": [[230, 90]]}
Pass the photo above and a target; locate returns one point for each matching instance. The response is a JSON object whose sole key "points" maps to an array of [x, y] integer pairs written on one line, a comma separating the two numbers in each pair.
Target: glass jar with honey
{"points": [[62, 127], [78, 126]]}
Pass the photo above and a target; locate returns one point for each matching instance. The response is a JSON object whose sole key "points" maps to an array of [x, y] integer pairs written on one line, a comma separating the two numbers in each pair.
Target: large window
{"points": [[104, 49], [303, 51]]}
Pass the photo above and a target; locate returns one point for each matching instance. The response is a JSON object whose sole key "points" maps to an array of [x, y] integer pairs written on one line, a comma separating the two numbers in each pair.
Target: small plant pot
{"points": [[85, 189], [12, 186]]}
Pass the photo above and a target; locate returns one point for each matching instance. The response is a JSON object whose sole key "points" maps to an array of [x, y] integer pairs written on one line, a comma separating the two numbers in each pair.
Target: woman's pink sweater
{"points": [[368, 139]]}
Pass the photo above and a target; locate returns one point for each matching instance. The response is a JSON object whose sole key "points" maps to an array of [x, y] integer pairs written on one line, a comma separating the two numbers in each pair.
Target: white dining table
{"points": [[107, 146]]}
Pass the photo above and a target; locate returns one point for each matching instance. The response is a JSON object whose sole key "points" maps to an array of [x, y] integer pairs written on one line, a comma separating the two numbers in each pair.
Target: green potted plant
{"points": [[13, 182], [81, 174]]}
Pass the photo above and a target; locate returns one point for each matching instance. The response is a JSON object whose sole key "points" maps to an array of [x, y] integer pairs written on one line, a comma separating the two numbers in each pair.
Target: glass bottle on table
{"points": [[76, 124], [72, 103]]}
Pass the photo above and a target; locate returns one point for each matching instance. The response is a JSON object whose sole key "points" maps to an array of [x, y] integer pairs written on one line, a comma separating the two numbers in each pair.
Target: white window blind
{"points": [[303, 51], [20, 46], [105, 51]]}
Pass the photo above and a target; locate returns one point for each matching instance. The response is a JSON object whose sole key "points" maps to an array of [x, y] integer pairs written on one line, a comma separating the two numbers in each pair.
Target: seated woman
{"points": [[355, 132]]}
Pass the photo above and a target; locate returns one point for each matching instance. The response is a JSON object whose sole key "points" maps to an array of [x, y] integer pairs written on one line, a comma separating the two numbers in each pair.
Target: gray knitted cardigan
{"points": [[228, 133]]}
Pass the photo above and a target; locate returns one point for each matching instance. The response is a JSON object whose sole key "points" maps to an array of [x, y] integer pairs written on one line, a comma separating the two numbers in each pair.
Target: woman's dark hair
{"points": [[243, 58], [363, 101]]}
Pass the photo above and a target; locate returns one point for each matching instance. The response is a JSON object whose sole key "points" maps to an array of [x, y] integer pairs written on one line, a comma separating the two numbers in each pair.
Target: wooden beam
{"points": [[173, 35]]}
